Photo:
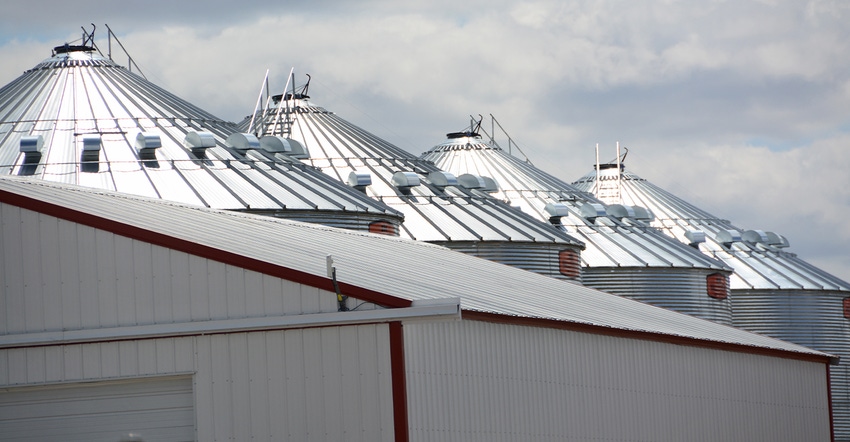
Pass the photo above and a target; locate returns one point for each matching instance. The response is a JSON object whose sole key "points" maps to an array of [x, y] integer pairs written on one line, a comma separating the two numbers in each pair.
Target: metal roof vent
{"points": [[359, 180], [199, 140], [405, 180], [695, 237], [591, 211], [620, 211], [755, 236], [299, 150], [727, 237], [471, 181], [643, 214], [31, 148], [242, 141], [91, 148], [777, 240], [490, 185], [147, 144], [556, 211], [442, 179], [282, 145]]}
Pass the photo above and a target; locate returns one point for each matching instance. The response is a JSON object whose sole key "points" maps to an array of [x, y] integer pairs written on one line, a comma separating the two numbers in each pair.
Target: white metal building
{"points": [[125, 317]]}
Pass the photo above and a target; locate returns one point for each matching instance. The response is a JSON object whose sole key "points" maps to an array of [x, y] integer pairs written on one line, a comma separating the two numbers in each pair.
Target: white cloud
{"points": [[741, 106]]}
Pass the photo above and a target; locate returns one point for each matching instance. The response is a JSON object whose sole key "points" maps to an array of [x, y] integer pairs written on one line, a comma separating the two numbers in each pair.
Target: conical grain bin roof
{"points": [[437, 207], [79, 118], [623, 254]]}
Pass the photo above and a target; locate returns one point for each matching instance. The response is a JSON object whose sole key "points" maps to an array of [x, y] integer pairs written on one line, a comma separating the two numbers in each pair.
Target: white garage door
{"points": [[150, 409]]}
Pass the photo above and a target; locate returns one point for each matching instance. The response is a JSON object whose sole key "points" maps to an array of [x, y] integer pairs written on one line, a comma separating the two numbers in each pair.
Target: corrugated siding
{"points": [[314, 384], [330, 383], [476, 381], [59, 275]]}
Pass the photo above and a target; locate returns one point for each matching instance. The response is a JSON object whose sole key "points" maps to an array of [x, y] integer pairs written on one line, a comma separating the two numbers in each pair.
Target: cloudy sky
{"points": [[741, 107]]}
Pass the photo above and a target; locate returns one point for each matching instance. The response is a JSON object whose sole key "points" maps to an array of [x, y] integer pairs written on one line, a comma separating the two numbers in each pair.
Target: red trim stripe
{"points": [[399, 382], [829, 400], [200, 250]]}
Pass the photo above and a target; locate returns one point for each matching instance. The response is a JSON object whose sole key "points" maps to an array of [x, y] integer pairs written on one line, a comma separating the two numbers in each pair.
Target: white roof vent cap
{"points": [[643, 214], [755, 237], [442, 179], [147, 141], [471, 181], [276, 144], [146, 144], [359, 180], [298, 150], [556, 211], [727, 237], [591, 211], [490, 185], [620, 211], [199, 140], [695, 237], [242, 141], [405, 180], [777, 240], [31, 144]]}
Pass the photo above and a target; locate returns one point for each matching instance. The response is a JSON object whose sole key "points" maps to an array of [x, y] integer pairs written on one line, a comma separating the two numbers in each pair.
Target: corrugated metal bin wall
{"points": [[681, 290], [534, 257]]}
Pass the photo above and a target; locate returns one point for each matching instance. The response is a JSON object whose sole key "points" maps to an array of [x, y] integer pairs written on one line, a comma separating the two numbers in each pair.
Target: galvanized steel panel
{"points": [[537, 259], [672, 288]]}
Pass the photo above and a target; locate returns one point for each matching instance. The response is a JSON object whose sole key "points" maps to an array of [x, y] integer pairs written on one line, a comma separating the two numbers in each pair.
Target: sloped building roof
{"points": [[392, 272], [79, 118]]}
